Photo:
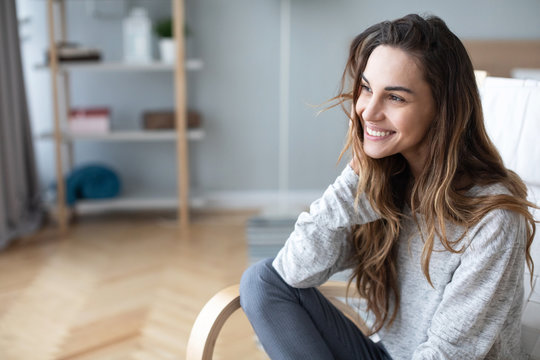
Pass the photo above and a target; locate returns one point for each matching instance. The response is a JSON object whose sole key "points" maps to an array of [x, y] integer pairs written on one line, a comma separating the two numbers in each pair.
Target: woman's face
{"points": [[395, 106]]}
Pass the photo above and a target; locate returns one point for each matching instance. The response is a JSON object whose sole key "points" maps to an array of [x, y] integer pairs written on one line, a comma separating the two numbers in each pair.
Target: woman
{"points": [[434, 227]]}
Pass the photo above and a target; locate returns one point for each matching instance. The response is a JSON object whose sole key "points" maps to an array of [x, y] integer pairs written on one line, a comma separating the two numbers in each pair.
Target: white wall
{"points": [[238, 90]]}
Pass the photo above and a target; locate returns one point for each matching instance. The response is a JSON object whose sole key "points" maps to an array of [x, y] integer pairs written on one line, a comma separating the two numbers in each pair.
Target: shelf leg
{"points": [[66, 91], [181, 113], [60, 185]]}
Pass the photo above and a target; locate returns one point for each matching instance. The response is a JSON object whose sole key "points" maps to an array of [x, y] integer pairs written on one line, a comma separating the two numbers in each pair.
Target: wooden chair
{"points": [[221, 306]]}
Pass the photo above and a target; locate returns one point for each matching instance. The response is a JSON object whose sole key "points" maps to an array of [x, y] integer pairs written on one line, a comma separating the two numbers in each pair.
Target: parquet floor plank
{"points": [[121, 287]]}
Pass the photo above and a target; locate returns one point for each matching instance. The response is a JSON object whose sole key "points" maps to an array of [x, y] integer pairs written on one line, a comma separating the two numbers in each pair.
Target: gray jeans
{"points": [[300, 324]]}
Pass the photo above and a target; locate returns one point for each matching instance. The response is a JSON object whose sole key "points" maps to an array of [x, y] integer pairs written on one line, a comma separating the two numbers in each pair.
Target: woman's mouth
{"points": [[376, 133]]}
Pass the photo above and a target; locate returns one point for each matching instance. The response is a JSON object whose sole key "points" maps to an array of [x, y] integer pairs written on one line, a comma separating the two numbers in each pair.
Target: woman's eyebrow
{"points": [[398, 88], [392, 88]]}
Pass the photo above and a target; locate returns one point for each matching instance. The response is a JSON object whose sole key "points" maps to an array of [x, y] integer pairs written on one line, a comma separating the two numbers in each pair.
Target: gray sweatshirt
{"points": [[474, 309]]}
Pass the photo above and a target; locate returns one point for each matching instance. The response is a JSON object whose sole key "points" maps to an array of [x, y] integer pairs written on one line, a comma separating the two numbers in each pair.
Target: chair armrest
{"points": [[222, 305], [210, 321], [337, 289]]}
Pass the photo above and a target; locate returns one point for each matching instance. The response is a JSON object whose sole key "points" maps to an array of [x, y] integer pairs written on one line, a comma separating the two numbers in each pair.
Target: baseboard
{"points": [[235, 200]]}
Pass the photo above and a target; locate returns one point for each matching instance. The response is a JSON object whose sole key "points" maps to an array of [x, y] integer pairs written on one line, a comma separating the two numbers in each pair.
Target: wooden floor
{"points": [[121, 287]]}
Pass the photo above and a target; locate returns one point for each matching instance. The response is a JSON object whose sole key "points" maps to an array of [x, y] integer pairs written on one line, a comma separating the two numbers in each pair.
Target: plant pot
{"points": [[167, 50]]}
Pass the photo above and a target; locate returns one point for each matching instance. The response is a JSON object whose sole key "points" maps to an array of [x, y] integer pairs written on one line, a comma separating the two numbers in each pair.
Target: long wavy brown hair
{"points": [[461, 155]]}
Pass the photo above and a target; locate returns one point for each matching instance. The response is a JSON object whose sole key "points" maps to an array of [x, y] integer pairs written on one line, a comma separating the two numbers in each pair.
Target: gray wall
{"points": [[238, 89]]}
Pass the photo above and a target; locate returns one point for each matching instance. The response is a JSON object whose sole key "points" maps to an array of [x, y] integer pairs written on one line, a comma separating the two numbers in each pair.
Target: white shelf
{"points": [[191, 65], [133, 202], [130, 136], [127, 203]]}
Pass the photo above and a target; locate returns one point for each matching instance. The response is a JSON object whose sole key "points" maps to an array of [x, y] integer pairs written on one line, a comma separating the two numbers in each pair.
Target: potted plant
{"points": [[164, 31]]}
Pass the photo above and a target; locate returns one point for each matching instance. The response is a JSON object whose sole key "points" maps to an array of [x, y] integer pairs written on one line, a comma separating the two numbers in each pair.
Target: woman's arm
{"points": [[318, 246], [485, 293]]}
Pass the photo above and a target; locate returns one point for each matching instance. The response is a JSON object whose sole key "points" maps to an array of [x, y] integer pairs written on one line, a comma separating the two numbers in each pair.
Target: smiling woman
{"points": [[434, 228], [396, 107]]}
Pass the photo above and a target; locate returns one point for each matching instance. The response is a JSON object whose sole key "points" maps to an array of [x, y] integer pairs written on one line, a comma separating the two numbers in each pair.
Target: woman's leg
{"points": [[296, 323]]}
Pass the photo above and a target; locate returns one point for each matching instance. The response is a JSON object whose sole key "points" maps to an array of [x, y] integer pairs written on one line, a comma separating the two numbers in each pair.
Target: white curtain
{"points": [[20, 205]]}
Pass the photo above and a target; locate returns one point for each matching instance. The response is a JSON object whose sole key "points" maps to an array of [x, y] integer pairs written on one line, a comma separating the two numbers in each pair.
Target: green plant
{"points": [[164, 28]]}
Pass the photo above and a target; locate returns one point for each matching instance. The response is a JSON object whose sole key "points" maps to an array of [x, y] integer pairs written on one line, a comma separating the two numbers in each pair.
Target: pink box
{"points": [[89, 121]]}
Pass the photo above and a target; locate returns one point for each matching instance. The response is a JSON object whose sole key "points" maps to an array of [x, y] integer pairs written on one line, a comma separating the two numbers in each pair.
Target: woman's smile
{"points": [[376, 134]]}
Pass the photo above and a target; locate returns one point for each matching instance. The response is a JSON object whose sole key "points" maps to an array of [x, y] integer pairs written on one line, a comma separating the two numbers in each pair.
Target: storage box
{"points": [[84, 121], [161, 120]]}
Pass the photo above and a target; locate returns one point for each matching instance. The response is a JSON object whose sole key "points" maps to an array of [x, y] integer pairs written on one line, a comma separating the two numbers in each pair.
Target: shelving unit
{"points": [[61, 72]]}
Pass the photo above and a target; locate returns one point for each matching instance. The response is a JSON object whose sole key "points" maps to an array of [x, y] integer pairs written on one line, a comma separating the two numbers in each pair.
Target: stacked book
{"points": [[266, 235], [69, 52]]}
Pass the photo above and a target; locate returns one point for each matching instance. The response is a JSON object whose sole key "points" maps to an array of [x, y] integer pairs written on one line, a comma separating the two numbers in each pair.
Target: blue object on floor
{"points": [[91, 182]]}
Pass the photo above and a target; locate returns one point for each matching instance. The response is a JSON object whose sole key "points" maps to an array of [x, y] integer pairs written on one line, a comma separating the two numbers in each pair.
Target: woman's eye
{"points": [[365, 88], [396, 98]]}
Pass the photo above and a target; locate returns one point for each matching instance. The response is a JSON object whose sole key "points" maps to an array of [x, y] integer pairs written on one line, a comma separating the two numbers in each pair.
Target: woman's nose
{"points": [[370, 109]]}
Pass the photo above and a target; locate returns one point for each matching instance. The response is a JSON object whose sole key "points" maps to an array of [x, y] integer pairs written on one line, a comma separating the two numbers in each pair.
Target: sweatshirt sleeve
{"points": [[476, 305], [318, 246]]}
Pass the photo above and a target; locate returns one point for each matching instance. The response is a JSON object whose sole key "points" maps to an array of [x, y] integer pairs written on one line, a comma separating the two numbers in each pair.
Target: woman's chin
{"points": [[376, 154]]}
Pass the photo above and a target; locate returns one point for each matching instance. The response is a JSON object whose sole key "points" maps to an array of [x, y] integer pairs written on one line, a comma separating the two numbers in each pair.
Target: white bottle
{"points": [[137, 37]]}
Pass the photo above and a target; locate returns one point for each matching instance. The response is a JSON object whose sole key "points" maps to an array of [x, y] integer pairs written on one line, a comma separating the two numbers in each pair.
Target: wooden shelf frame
{"points": [[180, 103]]}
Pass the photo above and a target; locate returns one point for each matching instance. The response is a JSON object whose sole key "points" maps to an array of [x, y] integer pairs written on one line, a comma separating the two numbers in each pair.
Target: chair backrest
{"points": [[512, 117]]}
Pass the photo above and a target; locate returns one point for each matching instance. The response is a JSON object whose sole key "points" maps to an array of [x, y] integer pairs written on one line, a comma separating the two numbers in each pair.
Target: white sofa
{"points": [[512, 116]]}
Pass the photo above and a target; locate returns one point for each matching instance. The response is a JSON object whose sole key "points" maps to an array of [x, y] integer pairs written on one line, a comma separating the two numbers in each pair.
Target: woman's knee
{"points": [[254, 285]]}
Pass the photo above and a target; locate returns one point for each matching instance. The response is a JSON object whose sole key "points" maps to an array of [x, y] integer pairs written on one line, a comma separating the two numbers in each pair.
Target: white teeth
{"points": [[377, 133]]}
